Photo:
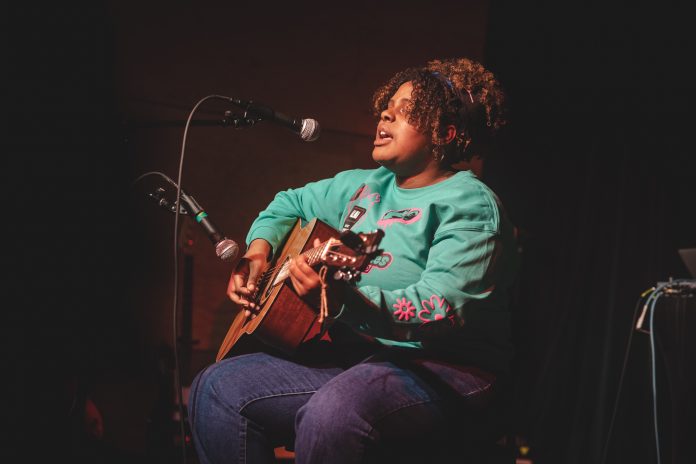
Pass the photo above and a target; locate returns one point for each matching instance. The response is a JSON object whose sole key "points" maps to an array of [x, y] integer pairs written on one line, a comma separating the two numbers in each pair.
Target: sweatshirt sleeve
{"points": [[460, 273], [324, 199]]}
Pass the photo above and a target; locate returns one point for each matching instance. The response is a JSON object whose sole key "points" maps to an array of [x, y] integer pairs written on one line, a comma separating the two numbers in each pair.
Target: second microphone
{"points": [[225, 248]]}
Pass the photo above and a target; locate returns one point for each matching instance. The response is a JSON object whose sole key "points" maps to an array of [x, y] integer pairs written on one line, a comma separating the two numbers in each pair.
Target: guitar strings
{"points": [[312, 255]]}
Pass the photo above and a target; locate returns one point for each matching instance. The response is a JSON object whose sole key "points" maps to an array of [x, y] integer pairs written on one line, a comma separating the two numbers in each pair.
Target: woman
{"points": [[421, 341]]}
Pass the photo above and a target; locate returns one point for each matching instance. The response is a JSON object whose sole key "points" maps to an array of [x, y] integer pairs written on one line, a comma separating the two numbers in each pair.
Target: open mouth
{"points": [[383, 137]]}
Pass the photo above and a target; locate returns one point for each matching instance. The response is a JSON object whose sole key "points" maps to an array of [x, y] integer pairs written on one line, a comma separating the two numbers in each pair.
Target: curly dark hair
{"points": [[459, 92]]}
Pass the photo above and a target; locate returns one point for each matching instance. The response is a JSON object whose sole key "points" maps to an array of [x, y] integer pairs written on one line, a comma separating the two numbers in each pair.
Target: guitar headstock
{"points": [[351, 253]]}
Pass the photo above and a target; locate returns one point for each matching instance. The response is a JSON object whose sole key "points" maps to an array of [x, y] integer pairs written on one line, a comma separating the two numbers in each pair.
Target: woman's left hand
{"points": [[303, 277]]}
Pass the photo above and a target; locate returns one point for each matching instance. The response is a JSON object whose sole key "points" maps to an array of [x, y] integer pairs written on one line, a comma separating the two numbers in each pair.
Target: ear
{"points": [[449, 132]]}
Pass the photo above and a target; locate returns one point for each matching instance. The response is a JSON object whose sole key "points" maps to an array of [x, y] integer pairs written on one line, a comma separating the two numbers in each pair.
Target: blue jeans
{"points": [[389, 404]]}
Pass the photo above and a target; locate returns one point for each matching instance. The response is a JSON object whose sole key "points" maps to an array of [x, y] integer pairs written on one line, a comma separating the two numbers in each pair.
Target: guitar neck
{"points": [[348, 257], [314, 256]]}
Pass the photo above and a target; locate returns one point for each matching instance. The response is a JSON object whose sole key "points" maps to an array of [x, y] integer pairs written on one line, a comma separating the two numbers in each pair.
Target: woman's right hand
{"points": [[242, 285]]}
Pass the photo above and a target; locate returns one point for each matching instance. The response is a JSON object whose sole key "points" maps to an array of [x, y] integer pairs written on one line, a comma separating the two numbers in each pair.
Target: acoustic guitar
{"points": [[284, 320]]}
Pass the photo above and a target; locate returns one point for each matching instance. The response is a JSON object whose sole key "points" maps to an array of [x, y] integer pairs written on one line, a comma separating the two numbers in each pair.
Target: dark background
{"points": [[597, 173]]}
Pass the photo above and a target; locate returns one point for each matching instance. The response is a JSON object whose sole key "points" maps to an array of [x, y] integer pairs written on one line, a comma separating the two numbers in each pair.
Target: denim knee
{"points": [[225, 382]]}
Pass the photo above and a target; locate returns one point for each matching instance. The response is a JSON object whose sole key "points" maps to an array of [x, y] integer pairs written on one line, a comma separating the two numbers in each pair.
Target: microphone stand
{"points": [[230, 119]]}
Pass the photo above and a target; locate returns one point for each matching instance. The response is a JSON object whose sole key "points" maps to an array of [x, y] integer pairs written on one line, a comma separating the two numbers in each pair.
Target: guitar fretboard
{"points": [[313, 257]]}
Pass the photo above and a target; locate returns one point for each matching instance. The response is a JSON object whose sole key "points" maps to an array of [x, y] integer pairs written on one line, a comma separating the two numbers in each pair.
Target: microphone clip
{"points": [[238, 121], [158, 197]]}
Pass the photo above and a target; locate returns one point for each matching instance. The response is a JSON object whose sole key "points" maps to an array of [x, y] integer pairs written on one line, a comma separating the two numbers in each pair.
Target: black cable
{"points": [[653, 368], [623, 372], [155, 173]]}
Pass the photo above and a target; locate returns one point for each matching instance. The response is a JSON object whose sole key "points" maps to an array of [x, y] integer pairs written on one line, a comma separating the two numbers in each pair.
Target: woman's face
{"points": [[398, 145]]}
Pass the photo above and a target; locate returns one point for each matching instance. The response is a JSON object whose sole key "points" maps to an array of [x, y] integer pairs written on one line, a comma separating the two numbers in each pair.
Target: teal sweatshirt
{"points": [[449, 259]]}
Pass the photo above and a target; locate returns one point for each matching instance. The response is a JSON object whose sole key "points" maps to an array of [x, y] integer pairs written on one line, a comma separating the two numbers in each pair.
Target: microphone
{"points": [[225, 248], [307, 129]]}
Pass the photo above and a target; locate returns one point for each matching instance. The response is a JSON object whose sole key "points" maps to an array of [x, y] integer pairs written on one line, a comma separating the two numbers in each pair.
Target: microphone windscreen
{"points": [[310, 130], [226, 249]]}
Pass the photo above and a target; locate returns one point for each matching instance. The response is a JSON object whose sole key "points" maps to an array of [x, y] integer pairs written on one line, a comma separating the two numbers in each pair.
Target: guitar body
{"points": [[284, 319]]}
